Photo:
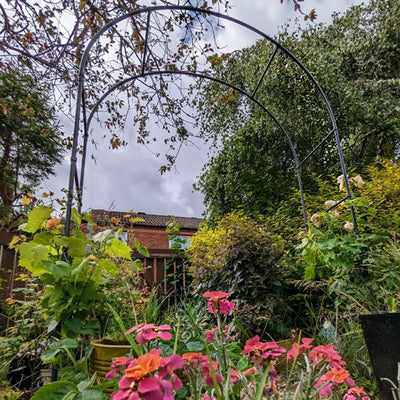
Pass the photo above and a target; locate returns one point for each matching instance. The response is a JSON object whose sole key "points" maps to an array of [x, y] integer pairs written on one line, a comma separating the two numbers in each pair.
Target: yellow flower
{"points": [[25, 200]]}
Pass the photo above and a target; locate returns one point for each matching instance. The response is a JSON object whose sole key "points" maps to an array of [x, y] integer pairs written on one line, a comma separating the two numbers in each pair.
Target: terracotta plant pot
{"points": [[104, 351]]}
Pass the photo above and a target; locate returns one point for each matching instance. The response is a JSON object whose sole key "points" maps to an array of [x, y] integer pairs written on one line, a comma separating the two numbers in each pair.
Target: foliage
{"points": [[354, 60], [229, 370], [243, 258], [74, 270], [30, 143], [68, 390]]}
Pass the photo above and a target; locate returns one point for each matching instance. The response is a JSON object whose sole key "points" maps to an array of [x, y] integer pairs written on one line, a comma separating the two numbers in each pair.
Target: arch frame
{"points": [[77, 182]]}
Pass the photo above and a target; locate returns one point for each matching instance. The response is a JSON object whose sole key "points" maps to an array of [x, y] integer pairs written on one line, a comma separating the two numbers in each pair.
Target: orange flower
{"points": [[115, 220], [337, 375], [144, 365], [190, 356]]}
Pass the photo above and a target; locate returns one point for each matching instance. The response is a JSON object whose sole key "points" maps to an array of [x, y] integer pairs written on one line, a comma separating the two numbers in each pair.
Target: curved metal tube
{"points": [[149, 10]]}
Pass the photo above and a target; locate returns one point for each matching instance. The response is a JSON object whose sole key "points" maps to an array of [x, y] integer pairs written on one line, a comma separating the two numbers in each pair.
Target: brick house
{"points": [[151, 232]]}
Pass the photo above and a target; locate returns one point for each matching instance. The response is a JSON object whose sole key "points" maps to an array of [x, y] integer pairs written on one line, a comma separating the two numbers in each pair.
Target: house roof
{"points": [[103, 217]]}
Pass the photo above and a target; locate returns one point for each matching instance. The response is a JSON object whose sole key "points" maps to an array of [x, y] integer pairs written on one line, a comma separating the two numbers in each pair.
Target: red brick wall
{"points": [[155, 238]]}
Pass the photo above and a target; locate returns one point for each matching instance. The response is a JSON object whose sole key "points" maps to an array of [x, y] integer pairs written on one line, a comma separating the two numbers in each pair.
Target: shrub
{"points": [[240, 256]]}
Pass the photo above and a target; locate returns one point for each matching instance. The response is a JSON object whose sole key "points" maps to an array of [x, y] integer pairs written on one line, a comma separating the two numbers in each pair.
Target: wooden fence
{"points": [[9, 269]]}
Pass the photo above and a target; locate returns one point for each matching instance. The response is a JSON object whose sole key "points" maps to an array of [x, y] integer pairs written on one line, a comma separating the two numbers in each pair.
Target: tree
{"points": [[355, 60], [30, 140], [49, 37]]}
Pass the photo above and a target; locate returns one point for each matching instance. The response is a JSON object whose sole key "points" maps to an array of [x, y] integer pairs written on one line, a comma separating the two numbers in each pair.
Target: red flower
{"points": [[147, 332]]}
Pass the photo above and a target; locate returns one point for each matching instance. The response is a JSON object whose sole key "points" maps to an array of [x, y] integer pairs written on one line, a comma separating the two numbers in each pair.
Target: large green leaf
{"points": [[32, 257], [56, 347], [119, 249], [59, 269], [77, 246], [37, 217], [55, 391], [91, 394]]}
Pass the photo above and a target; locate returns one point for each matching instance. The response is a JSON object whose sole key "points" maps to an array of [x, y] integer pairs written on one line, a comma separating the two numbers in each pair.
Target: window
{"points": [[179, 242]]}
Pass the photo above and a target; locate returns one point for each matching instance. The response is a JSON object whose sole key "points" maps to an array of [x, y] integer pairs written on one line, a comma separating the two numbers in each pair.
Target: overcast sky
{"points": [[128, 179]]}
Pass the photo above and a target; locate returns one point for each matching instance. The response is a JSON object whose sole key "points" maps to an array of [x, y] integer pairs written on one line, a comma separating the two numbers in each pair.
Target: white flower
{"points": [[330, 203], [357, 180], [316, 220], [349, 226], [340, 181]]}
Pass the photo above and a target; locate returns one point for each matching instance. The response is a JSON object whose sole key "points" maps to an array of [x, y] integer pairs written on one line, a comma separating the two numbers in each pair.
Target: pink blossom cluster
{"points": [[152, 377]]}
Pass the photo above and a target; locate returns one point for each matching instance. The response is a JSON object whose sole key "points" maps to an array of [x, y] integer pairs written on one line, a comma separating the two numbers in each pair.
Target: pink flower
{"points": [[206, 369], [299, 349], [126, 390], [327, 354], [262, 350], [117, 364], [210, 335], [225, 306], [147, 332], [215, 296], [356, 393], [217, 302], [155, 388]]}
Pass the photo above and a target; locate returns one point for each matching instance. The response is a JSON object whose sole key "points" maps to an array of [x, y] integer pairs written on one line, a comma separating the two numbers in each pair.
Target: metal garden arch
{"points": [[76, 179]]}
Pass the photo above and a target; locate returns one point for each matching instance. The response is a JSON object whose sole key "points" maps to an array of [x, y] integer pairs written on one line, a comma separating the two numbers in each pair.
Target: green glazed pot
{"points": [[104, 351]]}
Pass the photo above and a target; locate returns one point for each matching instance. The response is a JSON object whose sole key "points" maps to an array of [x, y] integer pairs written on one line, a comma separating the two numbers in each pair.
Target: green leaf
{"points": [[109, 266], [80, 327], [37, 217], [242, 364], [59, 269], [93, 394], [55, 391], [32, 257], [141, 249], [195, 346], [56, 347], [51, 324], [76, 217], [309, 272], [119, 249], [135, 266], [77, 246]]}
